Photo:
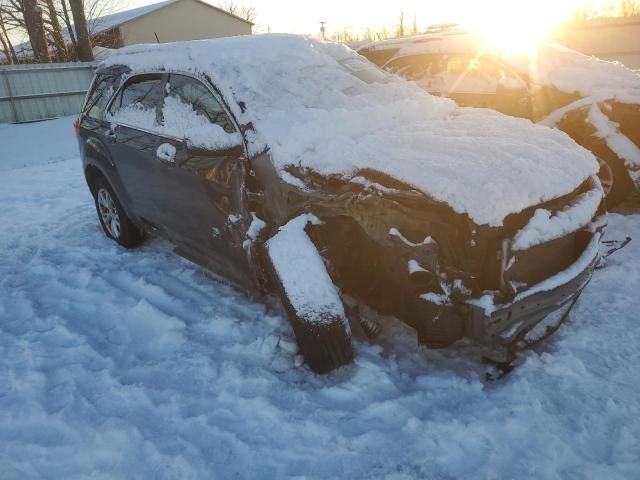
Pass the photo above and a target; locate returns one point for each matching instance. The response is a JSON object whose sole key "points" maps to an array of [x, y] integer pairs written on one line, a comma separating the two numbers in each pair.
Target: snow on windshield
{"points": [[311, 111]]}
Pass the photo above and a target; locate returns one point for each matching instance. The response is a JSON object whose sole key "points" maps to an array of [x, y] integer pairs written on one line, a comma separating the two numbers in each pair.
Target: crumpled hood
{"points": [[310, 110], [480, 163]]}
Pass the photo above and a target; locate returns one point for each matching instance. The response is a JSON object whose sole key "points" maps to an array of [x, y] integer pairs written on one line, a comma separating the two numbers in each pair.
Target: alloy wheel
{"points": [[109, 213]]}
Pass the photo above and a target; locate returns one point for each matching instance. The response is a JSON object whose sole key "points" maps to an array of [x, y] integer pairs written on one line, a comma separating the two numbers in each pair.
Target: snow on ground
{"points": [[42, 142], [135, 364]]}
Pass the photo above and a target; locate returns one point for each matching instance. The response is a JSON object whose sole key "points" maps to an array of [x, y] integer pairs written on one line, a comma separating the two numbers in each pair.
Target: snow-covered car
{"points": [[296, 167], [596, 102]]}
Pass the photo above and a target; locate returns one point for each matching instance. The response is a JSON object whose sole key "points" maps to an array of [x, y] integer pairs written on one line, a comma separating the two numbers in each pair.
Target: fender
{"points": [[97, 159]]}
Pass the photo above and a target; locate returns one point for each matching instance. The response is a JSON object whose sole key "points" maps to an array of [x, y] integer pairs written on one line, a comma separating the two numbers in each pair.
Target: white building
{"points": [[168, 21]]}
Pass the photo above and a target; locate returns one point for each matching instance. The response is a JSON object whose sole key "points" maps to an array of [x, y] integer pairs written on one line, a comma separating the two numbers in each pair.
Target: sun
{"points": [[513, 25]]}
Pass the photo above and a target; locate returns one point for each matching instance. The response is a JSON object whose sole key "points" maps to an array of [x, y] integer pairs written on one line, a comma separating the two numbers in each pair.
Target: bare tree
{"points": [[414, 28], [5, 49], [400, 26], [629, 8], [67, 22], [585, 12], [32, 14], [242, 11], [52, 26], [615, 8], [82, 31], [367, 33], [7, 46]]}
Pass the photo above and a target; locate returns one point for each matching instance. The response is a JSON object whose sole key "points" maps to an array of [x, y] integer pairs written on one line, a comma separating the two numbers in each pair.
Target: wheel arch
{"points": [[91, 175]]}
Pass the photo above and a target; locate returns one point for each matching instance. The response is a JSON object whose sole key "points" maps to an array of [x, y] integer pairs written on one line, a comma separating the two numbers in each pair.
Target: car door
{"points": [[203, 177], [93, 127], [133, 138]]}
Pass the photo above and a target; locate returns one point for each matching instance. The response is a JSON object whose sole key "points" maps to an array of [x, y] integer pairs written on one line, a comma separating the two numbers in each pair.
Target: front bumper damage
{"points": [[449, 278], [533, 314]]}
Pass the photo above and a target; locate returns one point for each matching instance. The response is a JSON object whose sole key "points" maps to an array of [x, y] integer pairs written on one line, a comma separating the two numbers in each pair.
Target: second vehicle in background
{"points": [[596, 102]]}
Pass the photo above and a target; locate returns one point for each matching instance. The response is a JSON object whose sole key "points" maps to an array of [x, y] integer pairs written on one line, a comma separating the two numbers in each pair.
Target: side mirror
{"points": [[166, 153]]}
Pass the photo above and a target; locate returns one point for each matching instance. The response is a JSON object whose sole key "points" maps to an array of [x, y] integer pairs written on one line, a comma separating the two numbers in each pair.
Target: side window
{"points": [[136, 104], [191, 92], [99, 96]]}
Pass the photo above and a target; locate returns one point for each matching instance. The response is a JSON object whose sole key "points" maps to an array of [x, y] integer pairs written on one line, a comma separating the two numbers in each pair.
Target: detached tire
{"points": [[312, 302], [325, 346], [115, 222]]}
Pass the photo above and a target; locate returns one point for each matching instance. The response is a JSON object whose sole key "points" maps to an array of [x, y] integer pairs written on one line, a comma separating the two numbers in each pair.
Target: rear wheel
{"points": [[115, 222], [613, 173]]}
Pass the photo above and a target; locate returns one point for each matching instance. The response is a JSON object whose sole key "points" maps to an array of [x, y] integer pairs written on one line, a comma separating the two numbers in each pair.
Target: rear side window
{"points": [[99, 96], [136, 104], [143, 92], [177, 107], [190, 91]]}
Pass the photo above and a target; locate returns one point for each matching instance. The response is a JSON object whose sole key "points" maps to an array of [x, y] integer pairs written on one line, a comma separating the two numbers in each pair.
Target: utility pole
{"points": [[322, 29]]}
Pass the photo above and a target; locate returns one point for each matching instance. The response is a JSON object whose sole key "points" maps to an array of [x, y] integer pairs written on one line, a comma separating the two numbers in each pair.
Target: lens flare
{"points": [[514, 25]]}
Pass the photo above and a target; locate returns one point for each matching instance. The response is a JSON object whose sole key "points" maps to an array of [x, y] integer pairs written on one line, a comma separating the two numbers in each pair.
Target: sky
{"points": [[505, 20], [305, 16]]}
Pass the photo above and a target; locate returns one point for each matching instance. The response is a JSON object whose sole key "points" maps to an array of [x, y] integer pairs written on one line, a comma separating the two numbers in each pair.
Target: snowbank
{"points": [[311, 110]]}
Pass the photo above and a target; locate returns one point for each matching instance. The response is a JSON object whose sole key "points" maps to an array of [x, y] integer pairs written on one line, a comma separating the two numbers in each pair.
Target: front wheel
{"points": [[311, 300], [115, 222]]}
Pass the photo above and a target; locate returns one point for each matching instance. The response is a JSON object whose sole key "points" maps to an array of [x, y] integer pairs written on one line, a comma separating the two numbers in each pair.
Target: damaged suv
{"points": [[294, 167]]}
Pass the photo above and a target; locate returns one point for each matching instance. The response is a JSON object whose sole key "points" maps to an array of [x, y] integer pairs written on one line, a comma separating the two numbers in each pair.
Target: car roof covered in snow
{"points": [[310, 108], [549, 64]]}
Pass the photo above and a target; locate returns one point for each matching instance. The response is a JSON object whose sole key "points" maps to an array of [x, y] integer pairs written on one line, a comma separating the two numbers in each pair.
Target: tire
{"points": [[622, 185], [578, 127], [325, 345], [115, 222]]}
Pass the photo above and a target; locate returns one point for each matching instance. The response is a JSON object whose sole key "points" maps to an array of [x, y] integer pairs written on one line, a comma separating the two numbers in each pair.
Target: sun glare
{"points": [[516, 26]]}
